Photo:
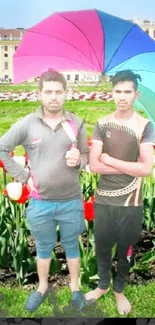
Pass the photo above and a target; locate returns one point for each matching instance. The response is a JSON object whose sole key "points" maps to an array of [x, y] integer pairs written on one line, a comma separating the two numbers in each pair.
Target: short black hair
{"points": [[52, 75], [126, 75]]}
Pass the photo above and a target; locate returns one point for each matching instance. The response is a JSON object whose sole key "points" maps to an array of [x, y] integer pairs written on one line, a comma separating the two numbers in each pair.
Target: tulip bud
{"points": [[87, 168], [20, 160], [14, 190]]}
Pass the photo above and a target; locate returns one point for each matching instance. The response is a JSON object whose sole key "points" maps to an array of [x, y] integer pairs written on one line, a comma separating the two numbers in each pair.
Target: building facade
{"points": [[10, 39]]}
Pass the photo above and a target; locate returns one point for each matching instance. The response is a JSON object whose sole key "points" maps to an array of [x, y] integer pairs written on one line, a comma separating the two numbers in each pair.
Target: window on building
{"points": [[16, 47], [5, 48], [68, 76], [147, 31], [6, 77], [6, 65], [76, 77], [5, 55], [146, 21]]}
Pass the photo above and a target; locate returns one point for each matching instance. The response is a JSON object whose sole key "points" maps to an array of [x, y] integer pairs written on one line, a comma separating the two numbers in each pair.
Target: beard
{"points": [[53, 108]]}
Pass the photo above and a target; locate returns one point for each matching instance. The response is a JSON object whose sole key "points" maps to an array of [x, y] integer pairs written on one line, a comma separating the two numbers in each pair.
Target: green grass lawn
{"points": [[10, 112], [142, 299]]}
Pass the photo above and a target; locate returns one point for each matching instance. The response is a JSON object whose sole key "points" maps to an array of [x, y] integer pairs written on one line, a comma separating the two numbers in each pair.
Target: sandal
{"points": [[78, 300], [35, 300]]}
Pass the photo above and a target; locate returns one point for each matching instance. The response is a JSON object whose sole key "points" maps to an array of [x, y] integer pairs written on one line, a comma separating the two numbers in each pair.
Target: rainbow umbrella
{"points": [[89, 40]]}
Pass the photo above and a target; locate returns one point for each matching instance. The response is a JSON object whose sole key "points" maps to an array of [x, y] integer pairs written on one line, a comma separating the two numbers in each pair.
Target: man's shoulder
{"points": [[142, 121], [141, 118], [77, 120], [105, 119], [27, 118]]}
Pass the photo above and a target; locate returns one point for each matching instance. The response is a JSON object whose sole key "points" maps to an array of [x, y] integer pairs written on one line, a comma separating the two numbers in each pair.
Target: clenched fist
{"points": [[73, 157]]}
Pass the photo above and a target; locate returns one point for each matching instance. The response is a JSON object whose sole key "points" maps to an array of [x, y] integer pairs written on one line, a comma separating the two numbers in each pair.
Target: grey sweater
{"points": [[46, 149]]}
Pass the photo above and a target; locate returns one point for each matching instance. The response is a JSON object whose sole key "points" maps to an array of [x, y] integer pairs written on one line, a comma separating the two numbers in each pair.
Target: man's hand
{"points": [[105, 159], [30, 185], [140, 168], [73, 157]]}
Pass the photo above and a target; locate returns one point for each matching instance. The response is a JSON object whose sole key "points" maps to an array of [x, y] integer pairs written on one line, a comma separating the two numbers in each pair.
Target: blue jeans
{"points": [[44, 216]]}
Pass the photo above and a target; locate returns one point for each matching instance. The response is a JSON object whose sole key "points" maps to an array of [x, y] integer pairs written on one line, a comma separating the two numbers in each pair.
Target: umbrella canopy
{"points": [[89, 40]]}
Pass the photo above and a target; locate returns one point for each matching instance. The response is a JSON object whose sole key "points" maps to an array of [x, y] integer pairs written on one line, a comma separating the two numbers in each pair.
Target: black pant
{"points": [[115, 225]]}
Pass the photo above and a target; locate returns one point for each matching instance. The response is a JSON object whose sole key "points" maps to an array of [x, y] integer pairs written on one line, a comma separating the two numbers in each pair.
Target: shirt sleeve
{"points": [[14, 137], [83, 148], [97, 135], [148, 135]]}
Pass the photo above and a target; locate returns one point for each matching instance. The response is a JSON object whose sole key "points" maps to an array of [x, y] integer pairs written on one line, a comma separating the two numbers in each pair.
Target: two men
{"points": [[55, 161], [122, 152]]}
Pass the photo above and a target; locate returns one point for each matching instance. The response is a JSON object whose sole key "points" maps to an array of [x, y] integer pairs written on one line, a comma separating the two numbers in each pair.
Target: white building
{"points": [[9, 41], [81, 76]]}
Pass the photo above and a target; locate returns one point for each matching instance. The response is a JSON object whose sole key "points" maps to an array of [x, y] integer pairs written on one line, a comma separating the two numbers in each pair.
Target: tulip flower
{"points": [[89, 209], [71, 95], [26, 157], [20, 160], [87, 168], [25, 195], [17, 192], [89, 142], [1, 164], [14, 190]]}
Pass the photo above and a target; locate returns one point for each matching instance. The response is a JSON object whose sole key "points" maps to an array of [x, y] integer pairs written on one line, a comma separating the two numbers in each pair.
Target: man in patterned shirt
{"points": [[122, 152]]}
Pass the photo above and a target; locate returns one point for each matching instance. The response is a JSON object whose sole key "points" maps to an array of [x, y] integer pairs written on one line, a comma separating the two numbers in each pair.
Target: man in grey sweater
{"points": [[55, 160]]}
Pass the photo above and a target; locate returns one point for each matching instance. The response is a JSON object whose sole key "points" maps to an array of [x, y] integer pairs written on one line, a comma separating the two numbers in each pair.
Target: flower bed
{"points": [[71, 95]]}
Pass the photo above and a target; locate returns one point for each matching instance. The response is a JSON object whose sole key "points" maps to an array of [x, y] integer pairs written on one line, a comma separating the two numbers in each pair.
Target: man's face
{"points": [[52, 96], [124, 95]]}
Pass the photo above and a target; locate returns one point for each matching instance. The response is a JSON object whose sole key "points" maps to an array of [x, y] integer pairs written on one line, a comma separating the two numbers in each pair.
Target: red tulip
{"points": [[26, 157], [89, 142], [89, 209], [24, 197], [1, 164], [5, 192]]}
